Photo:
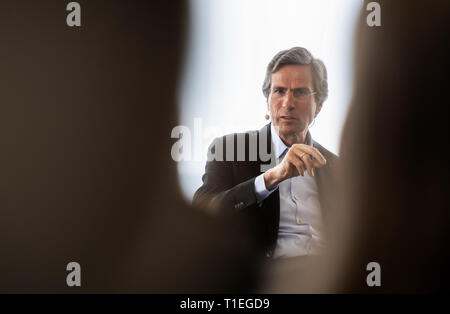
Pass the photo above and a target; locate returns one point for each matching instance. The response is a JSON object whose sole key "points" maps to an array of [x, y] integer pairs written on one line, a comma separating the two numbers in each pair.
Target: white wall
{"points": [[230, 45]]}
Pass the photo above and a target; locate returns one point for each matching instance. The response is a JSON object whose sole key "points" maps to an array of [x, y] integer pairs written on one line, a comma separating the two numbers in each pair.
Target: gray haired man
{"points": [[285, 207]]}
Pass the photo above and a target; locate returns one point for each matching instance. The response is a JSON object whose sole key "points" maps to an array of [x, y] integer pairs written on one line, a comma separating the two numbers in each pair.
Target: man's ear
{"points": [[318, 108]]}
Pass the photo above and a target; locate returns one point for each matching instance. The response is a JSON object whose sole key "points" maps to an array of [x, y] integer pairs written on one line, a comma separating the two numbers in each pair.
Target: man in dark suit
{"points": [[278, 179]]}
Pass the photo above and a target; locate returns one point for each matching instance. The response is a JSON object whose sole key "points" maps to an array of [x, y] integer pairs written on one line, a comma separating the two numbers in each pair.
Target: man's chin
{"points": [[289, 127]]}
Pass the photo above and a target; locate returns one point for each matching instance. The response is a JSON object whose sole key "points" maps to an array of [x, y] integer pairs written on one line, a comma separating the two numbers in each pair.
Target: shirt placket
{"points": [[295, 198]]}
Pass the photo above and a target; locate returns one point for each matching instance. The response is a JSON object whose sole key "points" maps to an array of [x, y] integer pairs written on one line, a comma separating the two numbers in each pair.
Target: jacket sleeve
{"points": [[219, 193]]}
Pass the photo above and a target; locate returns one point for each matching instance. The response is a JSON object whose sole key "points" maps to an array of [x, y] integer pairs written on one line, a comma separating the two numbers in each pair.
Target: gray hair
{"points": [[299, 56]]}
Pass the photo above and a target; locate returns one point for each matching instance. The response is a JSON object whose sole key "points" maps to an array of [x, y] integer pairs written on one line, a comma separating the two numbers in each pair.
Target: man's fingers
{"points": [[306, 159], [311, 151], [298, 164], [316, 163]]}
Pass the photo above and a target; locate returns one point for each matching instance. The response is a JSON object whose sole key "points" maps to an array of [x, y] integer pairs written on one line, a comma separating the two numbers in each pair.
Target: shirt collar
{"points": [[278, 146]]}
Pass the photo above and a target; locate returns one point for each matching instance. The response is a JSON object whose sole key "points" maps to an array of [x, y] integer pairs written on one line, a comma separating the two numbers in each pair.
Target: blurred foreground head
{"points": [[393, 200], [86, 170], [395, 172]]}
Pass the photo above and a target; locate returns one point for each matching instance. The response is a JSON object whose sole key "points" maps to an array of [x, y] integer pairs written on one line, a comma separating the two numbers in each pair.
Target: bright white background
{"points": [[230, 44]]}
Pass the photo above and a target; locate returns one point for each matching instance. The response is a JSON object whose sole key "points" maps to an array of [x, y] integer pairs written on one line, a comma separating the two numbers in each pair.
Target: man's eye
{"points": [[278, 91]]}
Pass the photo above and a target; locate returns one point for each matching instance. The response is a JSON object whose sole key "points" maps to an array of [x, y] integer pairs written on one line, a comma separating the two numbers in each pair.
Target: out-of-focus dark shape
{"points": [[86, 171], [393, 198], [395, 171]]}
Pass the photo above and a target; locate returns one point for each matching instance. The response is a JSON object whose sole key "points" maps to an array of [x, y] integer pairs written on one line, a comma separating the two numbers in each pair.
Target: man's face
{"points": [[291, 107]]}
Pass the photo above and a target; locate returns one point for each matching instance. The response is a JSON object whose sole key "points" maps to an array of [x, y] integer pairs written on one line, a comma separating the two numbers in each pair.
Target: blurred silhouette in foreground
{"points": [[86, 170], [394, 203]]}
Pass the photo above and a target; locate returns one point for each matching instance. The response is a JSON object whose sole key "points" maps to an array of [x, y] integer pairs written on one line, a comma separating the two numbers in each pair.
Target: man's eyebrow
{"points": [[296, 88]]}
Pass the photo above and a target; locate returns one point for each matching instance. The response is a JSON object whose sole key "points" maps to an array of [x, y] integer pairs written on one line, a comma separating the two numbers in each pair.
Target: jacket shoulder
{"points": [[241, 146], [231, 137]]}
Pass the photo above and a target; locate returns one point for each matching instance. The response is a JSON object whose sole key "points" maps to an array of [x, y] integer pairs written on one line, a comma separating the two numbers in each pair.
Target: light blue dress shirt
{"points": [[301, 223]]}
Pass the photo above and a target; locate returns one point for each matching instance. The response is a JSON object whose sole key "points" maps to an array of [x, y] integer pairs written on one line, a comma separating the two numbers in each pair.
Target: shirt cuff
{"points": [[260, 188]]}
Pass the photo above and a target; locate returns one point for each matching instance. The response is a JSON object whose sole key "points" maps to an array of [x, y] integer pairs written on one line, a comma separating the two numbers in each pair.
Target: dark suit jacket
{"points": [[229, 187]]}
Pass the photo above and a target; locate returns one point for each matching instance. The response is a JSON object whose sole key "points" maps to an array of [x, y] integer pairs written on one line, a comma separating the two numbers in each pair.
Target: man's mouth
{"points": [[288, 118]]}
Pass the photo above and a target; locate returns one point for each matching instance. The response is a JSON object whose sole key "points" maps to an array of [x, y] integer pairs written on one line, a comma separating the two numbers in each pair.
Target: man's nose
{"points": [[288, 101]]}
